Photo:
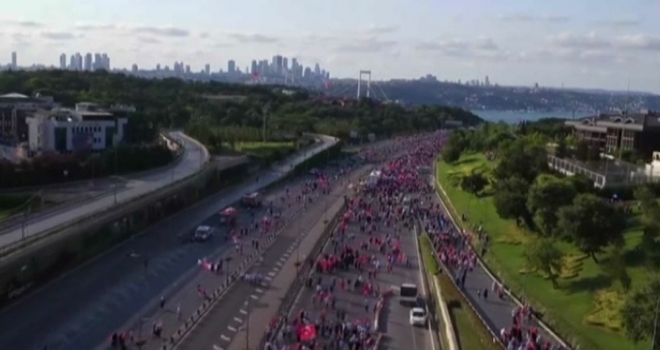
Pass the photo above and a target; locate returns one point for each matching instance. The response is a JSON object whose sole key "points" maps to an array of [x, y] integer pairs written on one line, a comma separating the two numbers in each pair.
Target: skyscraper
{"points": [[285, 64], [207, 69], [231, 66], [63, 61], [88, 62], [255, 67], [14, 60]]}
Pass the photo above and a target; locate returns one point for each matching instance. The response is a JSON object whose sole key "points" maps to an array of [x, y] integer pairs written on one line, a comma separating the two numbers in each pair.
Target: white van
{"points": [[408, 294]]}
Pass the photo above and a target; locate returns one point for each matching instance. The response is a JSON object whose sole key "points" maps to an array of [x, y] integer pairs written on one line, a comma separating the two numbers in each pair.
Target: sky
{"points": [[587, 43]]}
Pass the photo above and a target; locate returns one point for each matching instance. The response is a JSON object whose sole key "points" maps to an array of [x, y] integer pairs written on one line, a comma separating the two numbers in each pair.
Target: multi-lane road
{"points": [[228, 319], [194, 157], [79, 310]]}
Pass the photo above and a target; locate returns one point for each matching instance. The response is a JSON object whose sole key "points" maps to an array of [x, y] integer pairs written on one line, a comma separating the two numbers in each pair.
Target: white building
{"points": [[85, 128]]}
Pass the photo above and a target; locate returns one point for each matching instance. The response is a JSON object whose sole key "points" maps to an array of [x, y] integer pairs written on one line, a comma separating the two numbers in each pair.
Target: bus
{"points": [[408, 294]]}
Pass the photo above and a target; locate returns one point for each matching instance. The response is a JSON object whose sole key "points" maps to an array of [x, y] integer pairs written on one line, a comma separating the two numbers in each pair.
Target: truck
{"points": [[251, 200]]}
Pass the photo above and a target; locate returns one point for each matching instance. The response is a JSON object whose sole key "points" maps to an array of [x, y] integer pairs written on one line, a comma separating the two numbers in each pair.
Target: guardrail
{"points": [[480, 261], [25, 216], [130, 205], [78, 183]]}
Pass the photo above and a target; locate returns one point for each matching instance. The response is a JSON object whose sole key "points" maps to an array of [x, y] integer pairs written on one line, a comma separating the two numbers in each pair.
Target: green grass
{"points": [[580, 309]]}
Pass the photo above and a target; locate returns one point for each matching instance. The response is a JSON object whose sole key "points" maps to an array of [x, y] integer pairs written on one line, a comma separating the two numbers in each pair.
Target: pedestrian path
{"points": [[509, 322]]}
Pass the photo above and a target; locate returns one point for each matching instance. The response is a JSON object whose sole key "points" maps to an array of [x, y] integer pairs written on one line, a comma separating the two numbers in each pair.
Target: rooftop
{"points": [[627, 120], [14, 95]]}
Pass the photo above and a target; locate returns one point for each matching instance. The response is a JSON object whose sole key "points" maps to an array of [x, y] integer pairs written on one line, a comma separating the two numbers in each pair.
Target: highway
{"points": [[496, 312], [81, 309], [195, 155], [227, 320]]}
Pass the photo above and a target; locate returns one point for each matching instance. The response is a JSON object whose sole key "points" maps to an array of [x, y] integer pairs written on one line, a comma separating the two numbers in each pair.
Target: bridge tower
{"points": [[368, 74]]}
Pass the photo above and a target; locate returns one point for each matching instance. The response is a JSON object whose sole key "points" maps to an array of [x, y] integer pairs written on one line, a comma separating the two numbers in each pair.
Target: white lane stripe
{"points": [[238, 320], [225, 338], [254, 297], [243, 312], [272, 274], [232, 328], [259, 290], [215, 347]]}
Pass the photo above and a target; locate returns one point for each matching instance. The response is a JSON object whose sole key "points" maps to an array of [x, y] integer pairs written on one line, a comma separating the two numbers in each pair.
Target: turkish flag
{"points": [[307, 332]]}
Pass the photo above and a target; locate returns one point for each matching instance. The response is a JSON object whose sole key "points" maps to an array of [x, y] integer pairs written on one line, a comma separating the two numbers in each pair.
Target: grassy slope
{"points": [[566, 308]]}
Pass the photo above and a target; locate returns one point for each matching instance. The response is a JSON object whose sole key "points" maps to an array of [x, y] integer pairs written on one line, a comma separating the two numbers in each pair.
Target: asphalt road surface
{"points": [[399, 334], [81, 309], [496, 312], [193, 158], [227, 319]]}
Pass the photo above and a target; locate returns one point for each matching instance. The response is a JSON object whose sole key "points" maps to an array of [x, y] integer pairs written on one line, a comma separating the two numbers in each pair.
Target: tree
{"points": [[510, 199], [561, 151], [615, 267], [474, 182], [546, 195], [639, 312], [582, 151], [542, 255], [593, 153], [591, 224], [451, 154]]}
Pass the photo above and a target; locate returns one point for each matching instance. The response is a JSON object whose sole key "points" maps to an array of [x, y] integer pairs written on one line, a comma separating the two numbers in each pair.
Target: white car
{"points": [[203, 233], [418, 316]]}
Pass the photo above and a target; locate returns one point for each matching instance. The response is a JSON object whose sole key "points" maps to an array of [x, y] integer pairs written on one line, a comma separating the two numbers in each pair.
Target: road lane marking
{"points": [[238, 320], [282, 259], [271, 274], [279, 264], [243, 312], [276, 269], [232, 328], [254, 297], [259, 290], [268, 278], [215, 347], [225, 338]]}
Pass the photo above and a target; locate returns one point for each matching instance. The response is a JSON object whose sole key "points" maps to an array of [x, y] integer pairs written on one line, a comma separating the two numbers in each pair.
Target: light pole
{"points": [[655, 323]]}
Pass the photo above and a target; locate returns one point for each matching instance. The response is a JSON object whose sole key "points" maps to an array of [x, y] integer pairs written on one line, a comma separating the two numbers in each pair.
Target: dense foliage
{"points": [[567, 209], [178, 103]]}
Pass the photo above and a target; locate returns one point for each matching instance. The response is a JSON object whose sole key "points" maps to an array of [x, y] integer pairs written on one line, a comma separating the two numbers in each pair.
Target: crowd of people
{"points": [[364, 245]]}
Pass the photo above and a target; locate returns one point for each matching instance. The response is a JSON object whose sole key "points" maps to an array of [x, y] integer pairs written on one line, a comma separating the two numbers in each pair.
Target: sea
{"points": [[513, 117]]}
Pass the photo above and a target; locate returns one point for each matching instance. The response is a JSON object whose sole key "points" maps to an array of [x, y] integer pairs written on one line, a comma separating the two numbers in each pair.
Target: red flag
{"points": [[307, 332]]}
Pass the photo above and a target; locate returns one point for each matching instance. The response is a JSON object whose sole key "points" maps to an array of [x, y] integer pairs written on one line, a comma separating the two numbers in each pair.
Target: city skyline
{"points": [[587, 44]]}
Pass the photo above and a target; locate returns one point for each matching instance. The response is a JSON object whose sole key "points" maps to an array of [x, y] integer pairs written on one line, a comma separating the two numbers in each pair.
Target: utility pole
{"points": [[655, 324]]}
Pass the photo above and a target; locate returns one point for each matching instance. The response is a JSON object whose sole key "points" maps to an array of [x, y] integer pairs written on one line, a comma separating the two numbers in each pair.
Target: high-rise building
{"points": [[231, 66], [79, 61], [106, 61], [14, 60], [98, 61], [88, 62], [277, 64], [63, 61], [134, 68], [207, 69], [317, 69], [285, 64], [255, 67]]}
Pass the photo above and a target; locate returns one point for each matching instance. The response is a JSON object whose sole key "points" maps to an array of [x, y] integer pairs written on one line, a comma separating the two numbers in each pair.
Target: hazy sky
{"points": [[585, 43]]}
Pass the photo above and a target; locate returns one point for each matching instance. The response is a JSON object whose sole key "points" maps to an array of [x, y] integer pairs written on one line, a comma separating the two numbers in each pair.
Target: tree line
{"points": [[568, 209]]}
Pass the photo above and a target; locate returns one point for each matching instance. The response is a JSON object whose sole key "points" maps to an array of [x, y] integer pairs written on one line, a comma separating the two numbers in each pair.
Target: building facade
{"points": [[620, 132], [14, 109], [85, 128]]}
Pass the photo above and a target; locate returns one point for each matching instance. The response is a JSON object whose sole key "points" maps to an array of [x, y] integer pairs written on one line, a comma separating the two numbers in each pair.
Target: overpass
{"points": [[194, 156]]}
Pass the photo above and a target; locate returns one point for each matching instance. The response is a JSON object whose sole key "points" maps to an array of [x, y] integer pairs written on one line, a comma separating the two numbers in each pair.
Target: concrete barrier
{"points": [[450, 332]]}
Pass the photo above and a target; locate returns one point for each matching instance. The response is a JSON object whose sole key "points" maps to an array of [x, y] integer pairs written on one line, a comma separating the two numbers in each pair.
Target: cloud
{"points": [[24, 24], [481, 47], [619, 23], [95, 26], [573, 55], [162, 31], [254, 38], [527, 18], [203, 35], [58, 36], [148, 40], [638, 42], [367, 45], [381, 30], [588, 41]]}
